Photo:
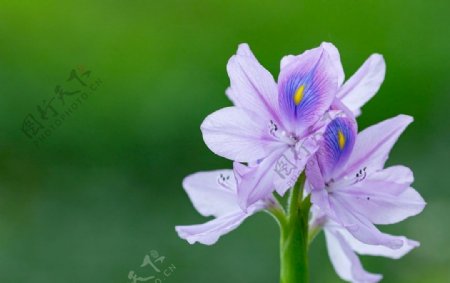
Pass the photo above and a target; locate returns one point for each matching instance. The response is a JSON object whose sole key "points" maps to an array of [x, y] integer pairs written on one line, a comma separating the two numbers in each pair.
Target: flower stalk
{"points": [[294, 238]]}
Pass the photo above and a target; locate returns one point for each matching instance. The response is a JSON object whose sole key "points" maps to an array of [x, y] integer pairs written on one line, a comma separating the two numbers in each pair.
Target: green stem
{"points": [[294, 238], [278, 213]]}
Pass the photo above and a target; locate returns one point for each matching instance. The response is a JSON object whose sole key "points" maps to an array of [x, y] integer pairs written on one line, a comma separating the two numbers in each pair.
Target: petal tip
{"points": [[407, 119]]}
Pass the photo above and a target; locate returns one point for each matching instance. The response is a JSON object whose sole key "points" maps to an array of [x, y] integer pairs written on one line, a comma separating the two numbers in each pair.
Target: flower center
{"points": [[283, 136]]}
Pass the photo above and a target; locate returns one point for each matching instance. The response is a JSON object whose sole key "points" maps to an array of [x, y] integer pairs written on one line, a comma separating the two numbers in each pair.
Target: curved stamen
{"points": [[224, 181]]}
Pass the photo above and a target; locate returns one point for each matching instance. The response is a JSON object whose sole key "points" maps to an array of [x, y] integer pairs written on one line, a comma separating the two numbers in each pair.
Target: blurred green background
{"points": [[105, 188]]}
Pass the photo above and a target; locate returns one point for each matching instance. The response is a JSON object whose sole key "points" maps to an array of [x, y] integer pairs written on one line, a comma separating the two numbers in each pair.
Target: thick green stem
{"points": [[294, 238]]}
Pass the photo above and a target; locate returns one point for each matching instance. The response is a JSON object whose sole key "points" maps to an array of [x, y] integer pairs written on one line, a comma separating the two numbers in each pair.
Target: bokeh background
{"points": [[104, 189]]}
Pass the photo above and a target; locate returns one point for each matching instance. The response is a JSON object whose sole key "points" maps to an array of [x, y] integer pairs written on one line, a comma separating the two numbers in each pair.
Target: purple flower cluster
{"points": [[306, 124]]}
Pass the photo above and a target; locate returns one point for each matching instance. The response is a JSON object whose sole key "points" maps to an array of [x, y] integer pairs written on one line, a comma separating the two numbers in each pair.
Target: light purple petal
{"points": [[278, 172], [314, 176], [373, 145], [334, 56], [365, 249], [336, 59], [286, 60], [209, 232], [364, 84], [399, 174], [345, 261], [255, 182], [238, 135], [293, 161], [306, 86], [321, 199], [252, 87], [213, 192], [359, 226], [380, 202]]}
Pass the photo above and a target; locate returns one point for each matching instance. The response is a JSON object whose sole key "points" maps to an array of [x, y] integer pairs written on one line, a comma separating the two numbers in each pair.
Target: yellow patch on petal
{"points": [[341, 140], [298, 96]]}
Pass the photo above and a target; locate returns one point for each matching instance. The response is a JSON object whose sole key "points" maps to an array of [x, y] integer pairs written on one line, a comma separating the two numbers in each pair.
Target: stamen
{"points": [[224, 181], [273, 128], [281, 135], [361, 175]]}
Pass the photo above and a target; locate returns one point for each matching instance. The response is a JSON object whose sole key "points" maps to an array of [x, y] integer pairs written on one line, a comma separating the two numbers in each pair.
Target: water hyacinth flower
{"points": [[300, 134], [349, 184], [273, 127]]}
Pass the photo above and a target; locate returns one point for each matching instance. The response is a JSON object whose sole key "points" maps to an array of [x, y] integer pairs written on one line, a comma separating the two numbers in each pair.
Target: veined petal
{"points": [[278, 172], [314, 175], [255, 182], [398, 174], [306, 87], [252, 87], [345, 262], [359, 226], [286, 60], [235, 134], [364, 84], [381, 204], [394, 180], [372, 250], [336, 59], [212, 193], [336, 146], [293, 161], [373, 145], [210, 232], [320, 198], [334, 56]]}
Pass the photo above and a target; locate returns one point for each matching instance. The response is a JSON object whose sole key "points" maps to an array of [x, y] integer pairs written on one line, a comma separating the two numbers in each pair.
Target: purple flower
{"points": [[349, 185], [275, 128], [306, 120], [343, 249], [213, 193]]}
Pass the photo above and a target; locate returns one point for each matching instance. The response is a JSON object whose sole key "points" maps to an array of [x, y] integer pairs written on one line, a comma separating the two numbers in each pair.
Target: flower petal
{"points": [[365, 249], [364, 84], [210, 232], [252, 87], [345, 262], [398, 174], [279, 172], [336, 146], [336, 58], [213, 192], [359, 226], [235, 134], [381, 204], [306, 87], [373, 145], [255, 182], [314, 177]]}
